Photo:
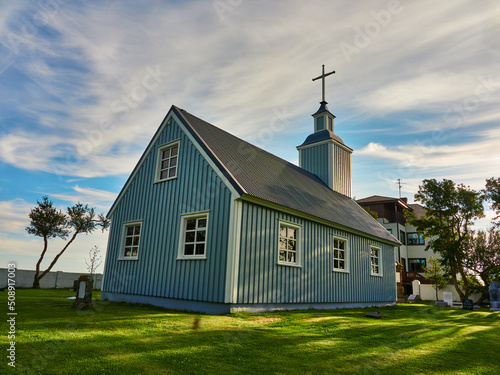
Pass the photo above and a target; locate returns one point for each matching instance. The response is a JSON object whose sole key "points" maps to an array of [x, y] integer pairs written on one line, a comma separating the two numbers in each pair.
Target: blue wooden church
{"points": [[208, 222]]}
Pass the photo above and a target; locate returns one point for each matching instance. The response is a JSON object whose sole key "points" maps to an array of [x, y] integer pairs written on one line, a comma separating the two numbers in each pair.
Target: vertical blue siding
{"points": [[157, 272], [262, 280], [315, 160], [331, 163], [341, 170]]}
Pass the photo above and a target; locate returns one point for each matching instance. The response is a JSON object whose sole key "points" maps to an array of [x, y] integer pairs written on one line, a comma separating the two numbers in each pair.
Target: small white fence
{"points": [[59, 279]]}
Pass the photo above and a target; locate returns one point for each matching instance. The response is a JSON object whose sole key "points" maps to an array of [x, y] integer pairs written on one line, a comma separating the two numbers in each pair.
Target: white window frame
{"points": [[379, 257], [347, 254], [126, 225], [182, 235], [159, 160], [298, 243]]}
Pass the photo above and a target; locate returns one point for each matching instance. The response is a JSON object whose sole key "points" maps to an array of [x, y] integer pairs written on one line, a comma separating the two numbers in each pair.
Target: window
{"points": [[415, 239], [193, 236], [168, 159], [330, 124], [402, 237], [389, 230], [340, 255], [131, 239], [320, 123], [376, 261], [417, 264], [288, 244]]}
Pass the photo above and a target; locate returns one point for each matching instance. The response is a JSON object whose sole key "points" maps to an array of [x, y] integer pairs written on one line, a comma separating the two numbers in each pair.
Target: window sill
{"points": [[376, 275], [165, 179], [129, 258], [341, 271], [192, 258], [289, 264]]}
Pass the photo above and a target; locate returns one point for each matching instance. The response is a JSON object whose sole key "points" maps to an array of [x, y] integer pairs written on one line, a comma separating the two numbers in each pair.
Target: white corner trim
{"points": [[233, 251]]}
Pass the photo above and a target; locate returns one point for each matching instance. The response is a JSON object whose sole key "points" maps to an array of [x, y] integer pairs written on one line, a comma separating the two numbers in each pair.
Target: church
{"points": [[208, 222]]}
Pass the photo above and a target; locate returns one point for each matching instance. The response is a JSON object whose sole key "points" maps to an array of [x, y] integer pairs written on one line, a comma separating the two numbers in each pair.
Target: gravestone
{"points": [[84, 293], [413, 298], [448, 298], [440, 304], [415, 286], [495, 296], [399, 283], [374, 314], [467, 304]]}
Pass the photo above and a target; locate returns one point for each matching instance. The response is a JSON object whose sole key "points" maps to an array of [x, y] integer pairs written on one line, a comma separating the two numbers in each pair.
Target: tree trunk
{"points": [[481, 299], [58, 256], [455, 283], [466, 283], [437, 297], [36, 279]]}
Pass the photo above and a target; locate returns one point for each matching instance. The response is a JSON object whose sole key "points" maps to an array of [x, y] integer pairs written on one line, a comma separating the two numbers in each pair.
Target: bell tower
{"points": [[323, 152]]}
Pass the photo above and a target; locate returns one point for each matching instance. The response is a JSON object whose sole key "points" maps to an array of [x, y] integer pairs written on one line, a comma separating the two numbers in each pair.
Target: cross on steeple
{"points": [[322, 76]]}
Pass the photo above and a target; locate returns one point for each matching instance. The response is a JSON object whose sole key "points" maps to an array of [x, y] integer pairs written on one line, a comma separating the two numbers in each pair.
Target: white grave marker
{"points": [[448, 298], [81, 290]]}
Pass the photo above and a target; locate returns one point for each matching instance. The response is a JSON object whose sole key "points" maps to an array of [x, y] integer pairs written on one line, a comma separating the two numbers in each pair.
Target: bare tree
{"points": [[95, 260], [48, 222]]}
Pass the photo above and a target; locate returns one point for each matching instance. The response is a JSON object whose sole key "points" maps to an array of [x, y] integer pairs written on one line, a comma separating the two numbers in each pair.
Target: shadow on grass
{"points": [[132, 339]]}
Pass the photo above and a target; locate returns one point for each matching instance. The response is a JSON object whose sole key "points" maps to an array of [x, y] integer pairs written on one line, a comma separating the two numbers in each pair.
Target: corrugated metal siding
{"points": [[320, 158], [159, 206], [262, 280], [341, 170], [315, 160]]}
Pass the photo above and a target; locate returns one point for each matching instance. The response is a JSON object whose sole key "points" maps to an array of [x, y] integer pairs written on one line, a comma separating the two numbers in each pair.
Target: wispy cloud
{"points": [[100, 199], [83, 94]]}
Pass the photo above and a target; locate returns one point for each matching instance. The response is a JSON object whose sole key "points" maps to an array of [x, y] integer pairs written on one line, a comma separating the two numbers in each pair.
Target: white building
{"points": [[411, 254]]}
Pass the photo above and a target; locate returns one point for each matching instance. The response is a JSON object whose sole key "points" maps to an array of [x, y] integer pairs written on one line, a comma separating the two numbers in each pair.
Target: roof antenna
{"points": [[400, 184]]}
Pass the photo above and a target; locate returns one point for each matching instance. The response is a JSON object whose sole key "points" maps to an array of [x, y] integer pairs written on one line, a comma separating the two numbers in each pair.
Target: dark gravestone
{"points": [[413, 298], [440, 304], [374, 314], [84, 293], [495, 295], [467, 304]]}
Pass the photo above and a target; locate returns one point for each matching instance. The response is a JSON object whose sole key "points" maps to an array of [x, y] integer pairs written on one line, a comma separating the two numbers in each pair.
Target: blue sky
{"points": [[84, 86]]}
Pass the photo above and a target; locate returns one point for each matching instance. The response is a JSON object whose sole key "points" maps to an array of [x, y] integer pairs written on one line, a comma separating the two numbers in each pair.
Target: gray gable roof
{"points": [[260, 174]]}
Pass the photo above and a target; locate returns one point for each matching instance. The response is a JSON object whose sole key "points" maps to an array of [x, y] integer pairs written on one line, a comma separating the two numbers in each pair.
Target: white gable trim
{"points": [[206, 157], [152, 147]]}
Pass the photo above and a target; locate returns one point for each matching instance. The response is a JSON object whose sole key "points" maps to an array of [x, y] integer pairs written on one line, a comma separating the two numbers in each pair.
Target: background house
{"points": [[411, 253]]}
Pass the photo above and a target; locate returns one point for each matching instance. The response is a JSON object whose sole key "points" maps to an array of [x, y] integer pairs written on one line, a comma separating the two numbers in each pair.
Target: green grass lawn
{"points": [[118, 338]]}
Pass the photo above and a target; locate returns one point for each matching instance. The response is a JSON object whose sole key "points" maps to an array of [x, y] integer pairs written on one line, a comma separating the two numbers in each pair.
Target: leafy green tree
{"points": [[434, 272], [483, 260], [492, 193], [48, 222], [373, 214], [451, 211]]}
